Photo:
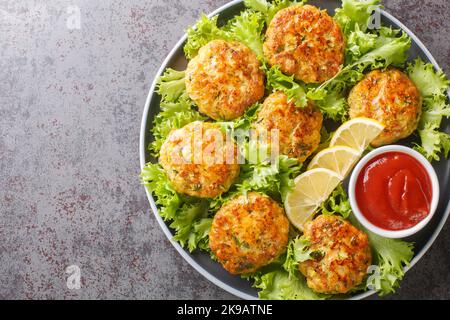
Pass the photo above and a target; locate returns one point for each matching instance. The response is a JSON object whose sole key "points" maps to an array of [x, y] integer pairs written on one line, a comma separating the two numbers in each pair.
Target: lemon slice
{"points": [[339, 159], [357, 133], [311, 189]]}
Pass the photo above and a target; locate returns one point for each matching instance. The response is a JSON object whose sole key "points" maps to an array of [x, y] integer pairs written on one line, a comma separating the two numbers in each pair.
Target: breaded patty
{"points": [[298, 128], [391, 98], [343, 259], [224, 79], [198, 160], [248, 232], [305, 42]]}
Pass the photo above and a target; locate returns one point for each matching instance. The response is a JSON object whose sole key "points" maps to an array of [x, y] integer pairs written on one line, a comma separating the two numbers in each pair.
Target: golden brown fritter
{"points": [[344, 255], [224, 79], [391, 98], [305, 42], [198, 160], [248, 232], [298, 128]]}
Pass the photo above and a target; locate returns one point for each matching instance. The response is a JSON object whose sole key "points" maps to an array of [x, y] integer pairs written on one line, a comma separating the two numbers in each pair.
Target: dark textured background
{"points": [[70, 108]]}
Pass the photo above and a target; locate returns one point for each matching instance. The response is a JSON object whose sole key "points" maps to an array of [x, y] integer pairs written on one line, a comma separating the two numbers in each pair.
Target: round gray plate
{"points": [[201, 261]]}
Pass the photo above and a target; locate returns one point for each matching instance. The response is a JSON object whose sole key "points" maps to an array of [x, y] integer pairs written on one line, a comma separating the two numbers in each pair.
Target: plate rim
{"points": [[165, 228]]}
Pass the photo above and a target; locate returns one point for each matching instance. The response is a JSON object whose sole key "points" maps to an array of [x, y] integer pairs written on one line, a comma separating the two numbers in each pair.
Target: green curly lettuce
{"points": [[279, 285], [358, 44], [190, 225], [176, 108], [337, 203], [278, 81], [171, 85], [334, 104], [433, 142], [430, 82], [274, 178], [204, 31], [433, 86], [355, 14], [245, 28], [391, 256], [270, 8], [298, 250], [189, 217], [245, 121]]}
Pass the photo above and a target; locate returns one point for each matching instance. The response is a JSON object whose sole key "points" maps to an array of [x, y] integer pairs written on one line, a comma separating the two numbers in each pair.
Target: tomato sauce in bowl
{"points": [[393, 191]]}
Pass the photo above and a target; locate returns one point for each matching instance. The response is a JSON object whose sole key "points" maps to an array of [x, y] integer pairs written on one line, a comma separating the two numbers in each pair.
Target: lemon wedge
{"points": [[311, 189], [339, 159], [357, 133]]}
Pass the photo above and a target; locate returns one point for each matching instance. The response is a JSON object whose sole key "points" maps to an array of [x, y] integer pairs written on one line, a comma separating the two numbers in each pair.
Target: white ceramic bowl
{"points": [[434, 193]]}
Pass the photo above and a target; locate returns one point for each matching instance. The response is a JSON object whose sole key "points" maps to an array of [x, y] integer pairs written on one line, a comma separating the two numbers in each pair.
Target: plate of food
{"points": [[299, 150]]}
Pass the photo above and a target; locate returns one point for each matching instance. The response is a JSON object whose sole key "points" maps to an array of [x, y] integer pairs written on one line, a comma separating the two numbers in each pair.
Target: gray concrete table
{"points": [[72, 93]]}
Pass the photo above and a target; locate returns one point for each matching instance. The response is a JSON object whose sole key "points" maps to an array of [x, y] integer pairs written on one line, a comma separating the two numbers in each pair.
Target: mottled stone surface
{"points": [[70, 108]]}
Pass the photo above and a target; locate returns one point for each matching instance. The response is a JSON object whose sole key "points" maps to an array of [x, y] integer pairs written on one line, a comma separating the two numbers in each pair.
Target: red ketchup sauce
{"points": [[393, 191]]}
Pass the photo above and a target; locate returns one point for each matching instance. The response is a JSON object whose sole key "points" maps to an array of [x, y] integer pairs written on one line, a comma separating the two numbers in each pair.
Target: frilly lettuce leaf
{"points": [[337, 203], [199, 238], [433, 86], [358, 44], [245, 28], [278, 81], [434, 109], [154, 178], [269, 8], [390, 49], [430, 82], [355, 14], [298, 250], [176, 108], [204, 31], [171, 85], [391, 255], [278, 285], [433, 142], [173, 115], [245, 121], [275, 178], [189, 217], [334, 105]]}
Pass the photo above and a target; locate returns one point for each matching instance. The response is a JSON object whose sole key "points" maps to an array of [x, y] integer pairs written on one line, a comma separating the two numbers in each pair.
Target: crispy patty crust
{"points": [[198, 160], [344, 255], [305, 42], [224, 79], [248, 232], [391, 98], [298, 128]]}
